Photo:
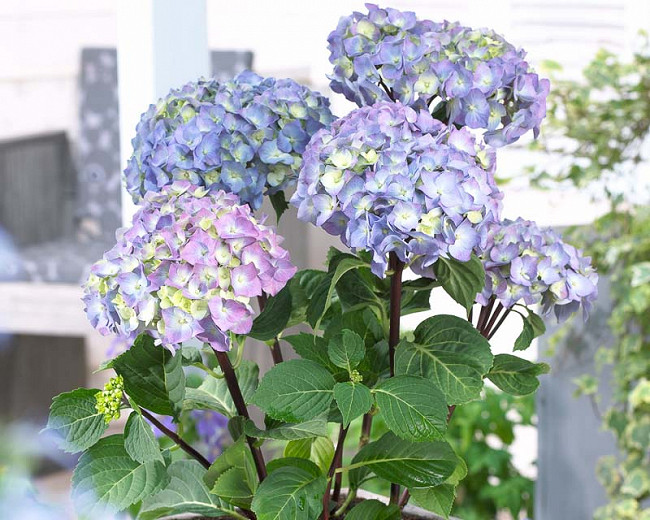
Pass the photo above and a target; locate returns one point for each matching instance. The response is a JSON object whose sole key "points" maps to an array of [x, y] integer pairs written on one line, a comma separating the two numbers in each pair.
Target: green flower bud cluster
{"points": [[109, 399]]}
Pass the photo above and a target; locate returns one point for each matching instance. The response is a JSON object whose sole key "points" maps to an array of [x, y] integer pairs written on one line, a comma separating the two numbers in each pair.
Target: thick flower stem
{"points": [[498, 325], [176, 438], [493, 319], [366, 427], [397, 267], [336, 463], [240, 406], [276, 350]]}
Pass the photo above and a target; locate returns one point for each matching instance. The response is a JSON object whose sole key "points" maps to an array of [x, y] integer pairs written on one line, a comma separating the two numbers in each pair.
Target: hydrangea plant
{"points": [[406, 190]]}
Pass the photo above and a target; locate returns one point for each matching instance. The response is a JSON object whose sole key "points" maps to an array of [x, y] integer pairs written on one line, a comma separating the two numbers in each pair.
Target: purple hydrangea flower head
{"points": [[245, 136], [472, 76], [524, 263], [186, 268], [387, 178]]}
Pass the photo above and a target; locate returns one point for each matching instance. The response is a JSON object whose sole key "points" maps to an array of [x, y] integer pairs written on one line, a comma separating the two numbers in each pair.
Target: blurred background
{"points": [[76, 75]]}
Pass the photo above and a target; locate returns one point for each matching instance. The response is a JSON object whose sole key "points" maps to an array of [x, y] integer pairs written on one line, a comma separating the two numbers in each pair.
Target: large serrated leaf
{"points": [[139, 440], [213, 393], [437, 499], [273, 319], [319, 450], [185, 493], [410, 464], [107, 480], [290, 432], [295, 391], [461, 280], [346, 350], [516, 376], [375, 510], [291, 493], [75, 421], [352, 399], [412, 408], [153, 376]]}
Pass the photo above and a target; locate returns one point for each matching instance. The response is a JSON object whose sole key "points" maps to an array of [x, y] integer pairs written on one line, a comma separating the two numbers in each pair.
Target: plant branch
{"points": [[366, 427], [492, 320], [336, 462], [176, 438], [498, 325], [397, 267], [276, 350], [240, 405], [404, 499]]}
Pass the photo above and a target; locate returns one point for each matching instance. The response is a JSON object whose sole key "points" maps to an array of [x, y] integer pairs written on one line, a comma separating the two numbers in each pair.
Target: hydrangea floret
{"points": [[524, 263], [245, 136], [389, 179], [187, 268], [473, 76]]}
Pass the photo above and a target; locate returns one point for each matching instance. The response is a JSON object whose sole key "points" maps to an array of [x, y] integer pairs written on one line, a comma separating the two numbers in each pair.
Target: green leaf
{"points": [[139, 440], [290, 432], [353, 399], [75, 421], [533, 326], [273, 319], [291, 493], [185, 493], [375, 510], [322, 296], [302, 286], [410, 464], [640, 274], [355, 291], [279, 203], [319, 450], [237, 456], [461, 280], [107, 479], [412, 407], [437, 499], [153, 376], [313, 348], [451, 333], [516, 376], [213, 393], [232, 487], [346, 350], [295, 391]]}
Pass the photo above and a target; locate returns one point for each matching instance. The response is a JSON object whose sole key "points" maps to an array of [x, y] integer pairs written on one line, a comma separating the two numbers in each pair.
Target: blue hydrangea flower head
{"points": [[245, 136], [186, 268], [387, 178], [471, 77], [524, 263]]}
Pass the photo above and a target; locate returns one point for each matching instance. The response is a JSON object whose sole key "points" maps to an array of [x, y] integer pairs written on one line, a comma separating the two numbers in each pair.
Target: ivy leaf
{"points": [[353, 399], [412, 407], [295, 391], [185, 493], [290, 432], [153, 376], [75, 421], [461, 280], [516, 376], [374, 509], [279, 203], [322, 296], [346, 350], [213, 393], [139, 440], [107, 480], [273, 319], [437, 499], [533, 327], [291, 493], [319, 450], [410, 464]]}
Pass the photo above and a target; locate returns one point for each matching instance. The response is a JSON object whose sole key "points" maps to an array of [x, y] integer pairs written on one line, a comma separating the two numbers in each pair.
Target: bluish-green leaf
{"points": [[412, 408], [75, 421], [375, 510], [185, 493], [295, 391], [291, 493], [515, 375], [346, 350], [107, 479], [461, 280], [153, 376], [352, 399], [139, 440]]}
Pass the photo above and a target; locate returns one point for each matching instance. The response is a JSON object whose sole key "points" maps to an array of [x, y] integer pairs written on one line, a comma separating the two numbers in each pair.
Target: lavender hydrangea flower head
{"points": [[475, 76], [187, 268], [245, 136], [524, 263], [387, 178]]}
